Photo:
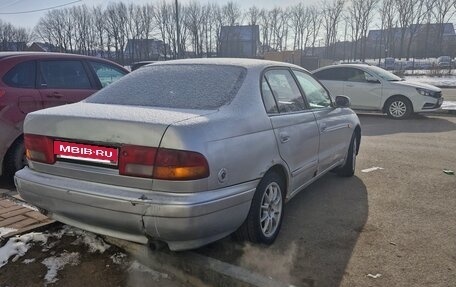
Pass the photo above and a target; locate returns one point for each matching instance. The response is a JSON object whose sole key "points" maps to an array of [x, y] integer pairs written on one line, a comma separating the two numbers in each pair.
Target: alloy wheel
{"points": [[271, 209]]}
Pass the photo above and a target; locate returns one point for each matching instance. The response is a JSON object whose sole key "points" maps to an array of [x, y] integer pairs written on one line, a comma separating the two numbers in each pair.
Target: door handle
{"points": [[349, 85], [284, 137], [56, 95]]}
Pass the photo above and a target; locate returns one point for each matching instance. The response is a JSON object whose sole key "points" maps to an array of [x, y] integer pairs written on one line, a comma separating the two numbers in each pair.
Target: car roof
{"points": [[50, 55], [365, 66], [242, 62]]}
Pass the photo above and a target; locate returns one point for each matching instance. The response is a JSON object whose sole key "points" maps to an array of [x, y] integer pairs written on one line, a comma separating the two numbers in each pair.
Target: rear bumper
{"points": [[183, 220]]}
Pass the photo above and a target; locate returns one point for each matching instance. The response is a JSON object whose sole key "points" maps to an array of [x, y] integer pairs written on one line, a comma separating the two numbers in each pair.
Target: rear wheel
{"points": [[399, 107], [264, 220], [348, 169], [15, 158]]}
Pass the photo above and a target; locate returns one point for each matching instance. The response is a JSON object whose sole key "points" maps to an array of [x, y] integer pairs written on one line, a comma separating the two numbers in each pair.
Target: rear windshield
{"points": [[181, 86]]}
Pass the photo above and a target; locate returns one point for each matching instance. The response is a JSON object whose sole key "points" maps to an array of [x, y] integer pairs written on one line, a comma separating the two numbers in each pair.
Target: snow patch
{"points": [[372, 169], [19, 245], [92, 241], [118, 258], [138, 267], [54, 264], [449, 105], [6, 230], [444, 81], [28, 261]]}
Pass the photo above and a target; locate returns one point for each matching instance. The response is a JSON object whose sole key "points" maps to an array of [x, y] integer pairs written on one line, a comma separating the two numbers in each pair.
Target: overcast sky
{"points": [[29, 20]]}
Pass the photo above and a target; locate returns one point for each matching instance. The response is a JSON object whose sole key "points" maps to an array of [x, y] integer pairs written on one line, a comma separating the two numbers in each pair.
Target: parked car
{"points": [[373, 88], [444, 62], [32, 81], [188, 151]]}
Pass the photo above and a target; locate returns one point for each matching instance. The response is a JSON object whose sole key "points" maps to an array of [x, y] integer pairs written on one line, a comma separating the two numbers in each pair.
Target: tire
{"points": [[398, 107], [348, 169], [260, 225], [15, 158]]}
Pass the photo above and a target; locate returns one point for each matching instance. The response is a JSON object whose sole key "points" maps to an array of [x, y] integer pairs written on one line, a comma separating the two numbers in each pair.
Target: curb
{"points": [[196, 269]]}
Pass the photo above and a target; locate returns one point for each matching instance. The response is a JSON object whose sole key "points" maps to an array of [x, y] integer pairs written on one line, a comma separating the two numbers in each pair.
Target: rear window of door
{"points": [[64, 74], [285, 91], [106, 73], [23, 75], [332, 74]]}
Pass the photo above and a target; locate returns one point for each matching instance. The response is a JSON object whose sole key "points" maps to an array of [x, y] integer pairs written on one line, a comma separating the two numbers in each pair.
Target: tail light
{"points": [[39, 148], [180, 165], [162, 163], [137, 161], [2, 93]]}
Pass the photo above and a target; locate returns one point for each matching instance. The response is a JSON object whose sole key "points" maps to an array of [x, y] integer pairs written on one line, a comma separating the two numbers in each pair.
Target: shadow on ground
{"points": [[320, 230], [376, 124], [6, 183]]}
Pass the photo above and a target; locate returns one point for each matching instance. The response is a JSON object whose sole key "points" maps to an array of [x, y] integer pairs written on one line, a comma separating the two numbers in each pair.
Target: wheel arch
{"points": [[358, 137], [282, 171], [394, 96], [13, 144]]}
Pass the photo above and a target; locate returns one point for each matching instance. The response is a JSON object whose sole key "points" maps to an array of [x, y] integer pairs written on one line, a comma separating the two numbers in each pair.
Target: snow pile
{"points": [[6, 230], [18, 246], [54, 264]]}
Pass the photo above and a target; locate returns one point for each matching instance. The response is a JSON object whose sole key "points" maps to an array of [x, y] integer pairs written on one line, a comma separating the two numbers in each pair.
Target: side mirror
{"points": [[373, 81], [342, 102]]}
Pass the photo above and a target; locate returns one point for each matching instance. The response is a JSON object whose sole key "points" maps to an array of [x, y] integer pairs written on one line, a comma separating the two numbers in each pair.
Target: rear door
{"points": [[63, 82], [333, 128], [20, 96], [294, 125], [332, 79]]}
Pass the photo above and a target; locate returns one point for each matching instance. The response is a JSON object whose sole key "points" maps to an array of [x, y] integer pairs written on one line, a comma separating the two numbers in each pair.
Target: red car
{"points": [[31, 81]]}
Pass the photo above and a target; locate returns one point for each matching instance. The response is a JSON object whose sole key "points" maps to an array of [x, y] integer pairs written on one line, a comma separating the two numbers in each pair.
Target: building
{"points": [[12, 46], [146, 49], [42, 47], [239, 41]]}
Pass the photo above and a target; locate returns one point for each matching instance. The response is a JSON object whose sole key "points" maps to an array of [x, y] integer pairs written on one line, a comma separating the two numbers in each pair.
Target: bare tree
{"points": [[252, 15], [232, 13], [443, 11], [331, 13], [388, 22]]}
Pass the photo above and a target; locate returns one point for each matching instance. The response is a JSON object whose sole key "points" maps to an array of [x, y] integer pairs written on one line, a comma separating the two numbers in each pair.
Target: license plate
{"points": [[85, 152]]}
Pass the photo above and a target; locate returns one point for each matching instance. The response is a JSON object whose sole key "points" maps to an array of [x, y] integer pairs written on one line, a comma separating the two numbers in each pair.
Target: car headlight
{"points": [[424, 92]]}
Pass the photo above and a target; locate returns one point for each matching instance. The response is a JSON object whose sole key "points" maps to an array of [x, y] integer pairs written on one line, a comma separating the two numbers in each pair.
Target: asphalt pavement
{"points": [[392, 226]]}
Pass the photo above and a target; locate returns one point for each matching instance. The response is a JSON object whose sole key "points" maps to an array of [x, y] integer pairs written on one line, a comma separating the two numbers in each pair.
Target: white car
{"points": [[373, 88]]}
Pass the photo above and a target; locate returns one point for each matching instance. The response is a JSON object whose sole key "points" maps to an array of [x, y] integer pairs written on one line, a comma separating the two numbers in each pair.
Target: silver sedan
{"points": [[187, 152]]}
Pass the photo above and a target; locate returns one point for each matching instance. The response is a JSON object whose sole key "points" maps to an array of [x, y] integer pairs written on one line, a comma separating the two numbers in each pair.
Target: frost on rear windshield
{"points": [[175, 86]]}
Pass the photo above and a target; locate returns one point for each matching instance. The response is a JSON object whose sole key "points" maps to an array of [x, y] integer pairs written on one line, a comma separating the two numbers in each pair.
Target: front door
{"points": [[294, 125], [333, 128], [364, 90]]}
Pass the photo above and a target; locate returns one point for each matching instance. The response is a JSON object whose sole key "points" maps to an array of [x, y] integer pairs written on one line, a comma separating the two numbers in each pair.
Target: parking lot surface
{"points": [[397, 223]]}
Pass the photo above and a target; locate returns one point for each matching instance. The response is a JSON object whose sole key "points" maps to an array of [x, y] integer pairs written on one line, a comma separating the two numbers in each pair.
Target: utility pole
{"points": [[177, 31]]}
